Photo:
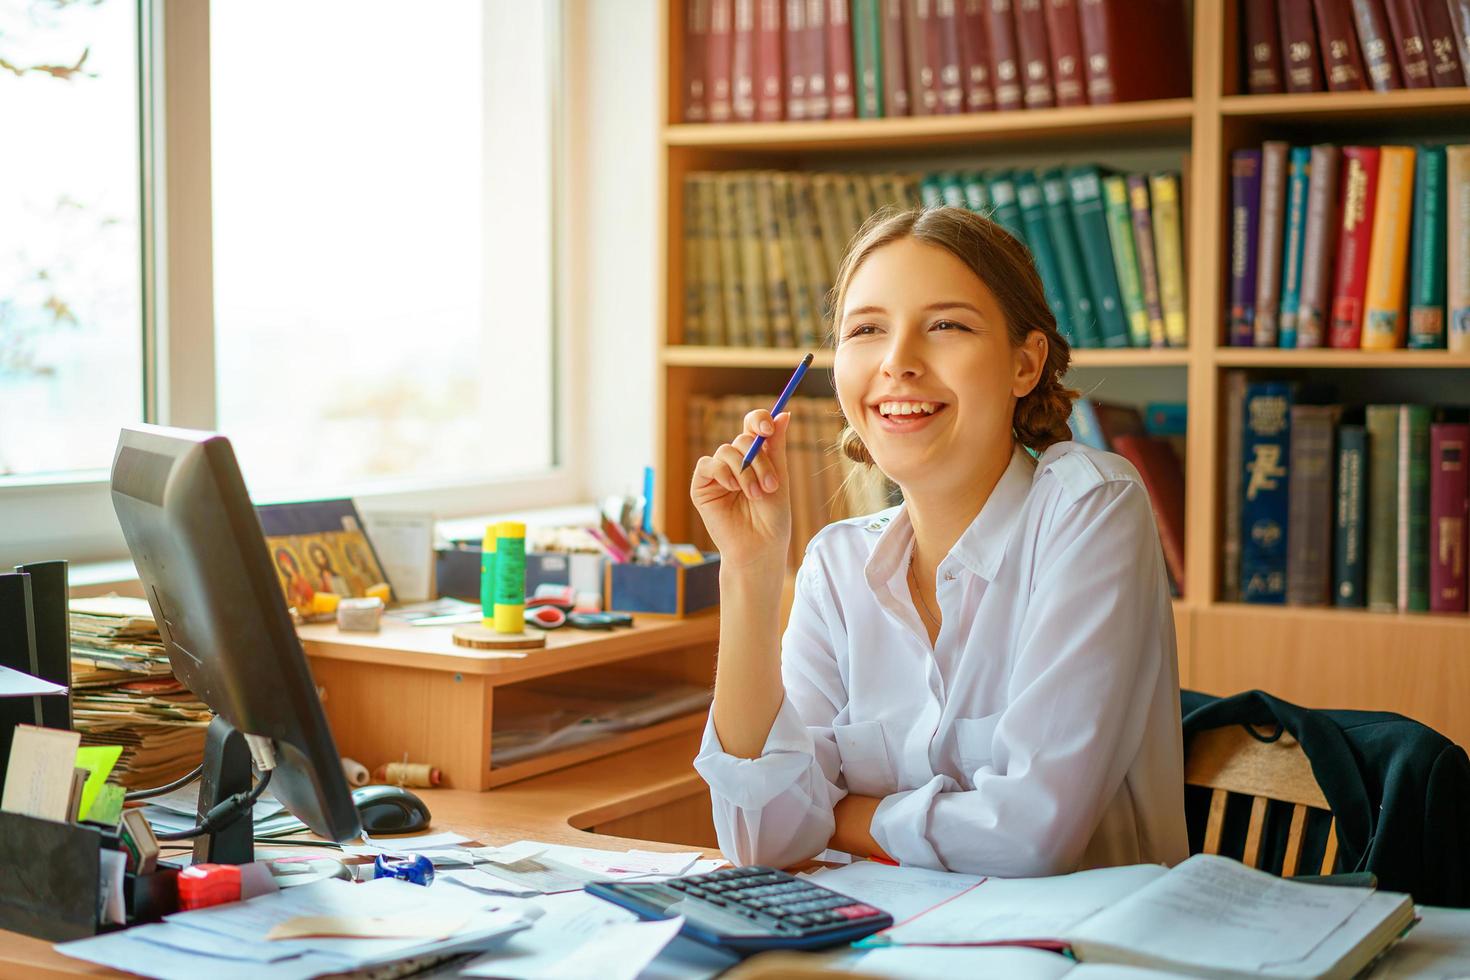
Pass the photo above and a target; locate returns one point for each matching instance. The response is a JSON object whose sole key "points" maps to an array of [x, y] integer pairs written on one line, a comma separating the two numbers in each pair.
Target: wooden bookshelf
{"points": [[1418, 665]]}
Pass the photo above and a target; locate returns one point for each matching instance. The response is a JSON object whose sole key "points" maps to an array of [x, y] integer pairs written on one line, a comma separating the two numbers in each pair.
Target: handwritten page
{"points": [[1019, 909], [1218, 913], [38, 779], [901, 892]]}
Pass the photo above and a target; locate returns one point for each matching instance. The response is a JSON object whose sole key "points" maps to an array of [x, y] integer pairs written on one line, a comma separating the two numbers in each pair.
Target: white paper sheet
{"points": [[112, 867], [617, 952], [182, 938], [953, 962], [120, 951], [641, 863], [569, 921], [901, 892], [14, 684], [39, 777], [404, 542], [415, 843]]}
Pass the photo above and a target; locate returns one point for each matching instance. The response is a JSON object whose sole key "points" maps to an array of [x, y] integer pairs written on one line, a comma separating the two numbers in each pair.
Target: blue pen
{"points": [[648, 500], [786, 394]]}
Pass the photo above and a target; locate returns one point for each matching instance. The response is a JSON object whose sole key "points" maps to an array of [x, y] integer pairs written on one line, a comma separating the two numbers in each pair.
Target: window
{"points": [[71, 326]]}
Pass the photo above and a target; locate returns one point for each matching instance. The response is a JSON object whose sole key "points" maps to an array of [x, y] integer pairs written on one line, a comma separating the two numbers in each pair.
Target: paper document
{"points": [[901, 892], [404, 543], [415, 843], [403, 925], [544, 874], [39, 777], [14, 684], [1439, 946], [569, 921], [184, 939], [641, 863], [112, 867], [122, 951], [955, 962], [617, 952]]}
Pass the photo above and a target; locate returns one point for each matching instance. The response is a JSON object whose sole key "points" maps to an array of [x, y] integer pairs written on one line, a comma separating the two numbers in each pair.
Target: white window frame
{"points": [[72, 516]]}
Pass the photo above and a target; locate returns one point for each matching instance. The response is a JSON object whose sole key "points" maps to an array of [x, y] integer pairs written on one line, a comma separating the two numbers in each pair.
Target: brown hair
{"points": [[1005, 266]]}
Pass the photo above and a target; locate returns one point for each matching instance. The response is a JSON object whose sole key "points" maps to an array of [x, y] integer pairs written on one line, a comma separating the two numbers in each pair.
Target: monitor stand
{"points": [[227, 770]]}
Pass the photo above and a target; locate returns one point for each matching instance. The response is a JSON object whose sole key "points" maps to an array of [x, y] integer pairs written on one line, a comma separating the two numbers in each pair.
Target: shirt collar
{"points": [[980, 548]]}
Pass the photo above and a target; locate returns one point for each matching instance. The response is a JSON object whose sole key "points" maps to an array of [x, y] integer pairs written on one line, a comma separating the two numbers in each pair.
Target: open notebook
{"points": [[1209, 916]]}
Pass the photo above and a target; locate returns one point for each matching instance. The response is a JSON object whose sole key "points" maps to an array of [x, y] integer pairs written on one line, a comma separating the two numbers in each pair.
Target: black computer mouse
{"points": [[390, 810]]}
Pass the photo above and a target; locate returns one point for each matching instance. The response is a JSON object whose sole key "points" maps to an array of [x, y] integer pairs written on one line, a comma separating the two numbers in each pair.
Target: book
{"points": [[1080, 312], [951, 190], [1245, 203], [975, 56], [1341, 57], [1234, 385], [1299, 171], [717, 60], [1301, 59], [1309, 506], [1148, 266], [1427, 257], [1000, 188], [1038, 237], [1406, 28], [818, 91], [695, 331], [1269, 242], [1350, 279], [795, 55], [779, 248], [945, 32], [1084, 184], [705, 190], [1084, 424], [1412, 557], [696, 47], [770, 66], [1383, 507], [742, 62], [737, 330], [1384, 321], [895, 60], [867, 45], [1064, 40], [1266, 453], [1439, 38], [1125, 258], [1377, 45], [1113, 30], [977, 197], [752, 261], [1169, 250], [1005, 58], [1449, 489], [1457, 248], [1207, 916], [819, 274], [923, 75], [843, 104], [1319, 246], [1459, 11], [1350, 518], [1035, 57], [1262, 47], [1163, 477]]}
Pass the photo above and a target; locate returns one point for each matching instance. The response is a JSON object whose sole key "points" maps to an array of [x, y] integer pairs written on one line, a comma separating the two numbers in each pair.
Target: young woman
{"points": [[982, 679]]}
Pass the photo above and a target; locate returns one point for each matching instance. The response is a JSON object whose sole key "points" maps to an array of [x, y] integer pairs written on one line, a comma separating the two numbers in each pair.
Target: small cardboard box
{"points": [[662, 590], [457, 571]]}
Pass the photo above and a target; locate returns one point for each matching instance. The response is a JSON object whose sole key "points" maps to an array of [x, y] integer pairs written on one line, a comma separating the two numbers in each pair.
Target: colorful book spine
{"points": [[1270, 237], [975, 52], [1359, 193], [1449, 490], [1038, 236], [1169, 249], [706, 195], [895, 60], [1383, 507], [795, 37], [921, 57], [951, 57], [1341, 56], [770, 62], [1388, 255], [819, 274], [1245, 204], [1234, 385], [931, 191], [1309, 554], [1035, 59], [1005, 58], [1377, 42], [742, 62], [1000, 187], [1148, 265], [1407, 31], [1427, 252], [1262, 48], [695, 331], [1299, 171], [1125, 258], [1069, 260], [794, 277], [753, 262], [737, 329], [818, 91], [696, 48], [1085, 187], [977, 198], [1459, 11], [843, 102], [1266, 444], [1064, 39], [1457, 231], [1085, 426], [1319, 246], [777, 271], [867, 48], [717, 60], [1412, 557], [1349, 570], [1301, 60], [951, 189], [1439, 37]]}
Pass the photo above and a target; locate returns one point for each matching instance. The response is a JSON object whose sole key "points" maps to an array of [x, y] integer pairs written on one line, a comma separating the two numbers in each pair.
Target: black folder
{"points": [[53, 637], [18, 652]]}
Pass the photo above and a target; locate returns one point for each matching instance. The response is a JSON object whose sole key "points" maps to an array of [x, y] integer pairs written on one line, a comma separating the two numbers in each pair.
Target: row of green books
{"points": [[762, 248]]}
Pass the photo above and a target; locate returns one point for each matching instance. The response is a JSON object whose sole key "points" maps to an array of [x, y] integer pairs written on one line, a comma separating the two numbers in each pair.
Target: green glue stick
{"points": [[510, 577], [487, 578]]}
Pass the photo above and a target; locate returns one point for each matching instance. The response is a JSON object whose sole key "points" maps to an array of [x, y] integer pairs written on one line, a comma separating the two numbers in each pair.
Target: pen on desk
{"points": [[786, 393], [648, 500]]}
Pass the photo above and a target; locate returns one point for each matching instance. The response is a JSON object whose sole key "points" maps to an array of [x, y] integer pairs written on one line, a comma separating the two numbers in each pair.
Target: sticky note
{"points": [[99, 761]]}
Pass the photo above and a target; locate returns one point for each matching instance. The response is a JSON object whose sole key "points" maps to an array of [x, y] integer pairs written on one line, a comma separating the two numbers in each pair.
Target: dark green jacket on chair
{"points": [[1400, 790]]}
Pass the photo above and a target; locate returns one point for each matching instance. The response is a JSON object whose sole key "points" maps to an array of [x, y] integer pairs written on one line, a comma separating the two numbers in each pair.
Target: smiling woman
{"points": [[982, 679]]}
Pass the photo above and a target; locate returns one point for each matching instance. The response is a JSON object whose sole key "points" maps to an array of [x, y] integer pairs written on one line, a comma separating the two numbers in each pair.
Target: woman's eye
{"points": [[862, 329], [951, 325]]}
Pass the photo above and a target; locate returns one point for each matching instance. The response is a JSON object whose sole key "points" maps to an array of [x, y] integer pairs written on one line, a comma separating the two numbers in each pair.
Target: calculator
{"points": [[749, 910]]}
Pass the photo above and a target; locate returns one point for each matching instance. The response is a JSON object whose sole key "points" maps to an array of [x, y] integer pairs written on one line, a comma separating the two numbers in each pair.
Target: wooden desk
{"points": [[608, 803]]}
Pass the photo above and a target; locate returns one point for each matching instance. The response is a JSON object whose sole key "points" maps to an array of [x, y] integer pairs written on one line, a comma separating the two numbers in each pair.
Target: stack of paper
{"points": [[124, 692]]}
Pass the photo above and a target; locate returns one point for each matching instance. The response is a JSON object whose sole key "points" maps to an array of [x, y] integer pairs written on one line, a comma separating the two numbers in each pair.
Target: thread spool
{"points": [[356, 772], [418, 775], [487, 578], [510, 577]]}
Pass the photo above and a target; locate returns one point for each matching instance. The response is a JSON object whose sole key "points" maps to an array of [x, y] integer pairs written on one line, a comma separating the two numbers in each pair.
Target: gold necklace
{"points": [[923, 606]]}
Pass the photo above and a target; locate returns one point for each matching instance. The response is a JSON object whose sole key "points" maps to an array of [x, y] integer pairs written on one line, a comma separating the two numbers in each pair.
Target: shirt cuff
{"points": [[901, 824], [753, 783]]}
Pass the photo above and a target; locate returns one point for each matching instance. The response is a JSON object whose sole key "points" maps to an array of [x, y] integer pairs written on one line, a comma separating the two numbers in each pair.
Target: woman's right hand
{"points": [[747, 514]]}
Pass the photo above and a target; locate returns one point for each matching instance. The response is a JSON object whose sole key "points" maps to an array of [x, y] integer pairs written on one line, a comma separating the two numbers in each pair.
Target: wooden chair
{"points": [[1230, 760]]}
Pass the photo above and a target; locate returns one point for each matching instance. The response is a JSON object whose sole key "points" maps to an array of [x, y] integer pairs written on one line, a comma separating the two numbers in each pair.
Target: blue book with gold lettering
{"points": [[1265, 501]]}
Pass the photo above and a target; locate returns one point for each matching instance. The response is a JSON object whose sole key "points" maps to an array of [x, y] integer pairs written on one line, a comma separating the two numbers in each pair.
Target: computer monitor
{"points": [[201, 556]]}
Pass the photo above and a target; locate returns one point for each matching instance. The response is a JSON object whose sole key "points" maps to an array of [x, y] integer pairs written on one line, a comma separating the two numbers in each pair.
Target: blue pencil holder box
{"points": [[662, 590]]}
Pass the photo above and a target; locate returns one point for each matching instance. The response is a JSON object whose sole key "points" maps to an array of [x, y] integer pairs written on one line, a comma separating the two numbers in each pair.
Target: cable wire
{"points": [[148, 794], [224, 813]]}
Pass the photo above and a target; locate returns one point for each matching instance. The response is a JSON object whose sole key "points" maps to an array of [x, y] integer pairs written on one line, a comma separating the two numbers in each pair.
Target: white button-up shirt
{"points": [[1039, 734]]}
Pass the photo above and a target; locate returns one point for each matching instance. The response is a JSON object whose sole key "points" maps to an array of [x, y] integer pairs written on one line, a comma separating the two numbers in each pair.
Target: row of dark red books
{"points": [[772, 60], [1352, 45]]}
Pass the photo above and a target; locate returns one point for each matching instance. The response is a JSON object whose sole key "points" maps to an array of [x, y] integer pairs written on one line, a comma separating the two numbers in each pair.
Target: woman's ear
{"points": [[1030, 361]]}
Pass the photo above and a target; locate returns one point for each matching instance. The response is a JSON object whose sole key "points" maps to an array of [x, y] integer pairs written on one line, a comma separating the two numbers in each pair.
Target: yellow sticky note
{"points": [[98, 760]]}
